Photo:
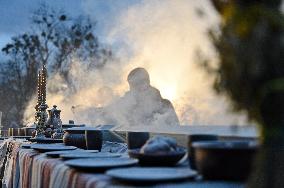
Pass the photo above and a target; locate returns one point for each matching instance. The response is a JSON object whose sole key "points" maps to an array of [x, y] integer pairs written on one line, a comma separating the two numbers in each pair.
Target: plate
{"points": [[66, 126], [26, 146], [56, 154], [151, 174], [79, 155], [51, 147], [29, 145], [160, 159], [46, 140], [92, 164], [21, 137], [83, 128]]}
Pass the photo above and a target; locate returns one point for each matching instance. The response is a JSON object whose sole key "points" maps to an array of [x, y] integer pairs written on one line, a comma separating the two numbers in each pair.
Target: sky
{"points": [[15, 14]]}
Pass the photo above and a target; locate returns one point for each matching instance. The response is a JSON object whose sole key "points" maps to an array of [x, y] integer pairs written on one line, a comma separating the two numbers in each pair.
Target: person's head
{"points": [[138, 78]]}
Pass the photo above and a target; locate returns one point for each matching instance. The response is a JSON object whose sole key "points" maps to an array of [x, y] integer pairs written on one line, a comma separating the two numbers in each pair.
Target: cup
{"points": [[4, 133], [136, 140], [13, 132], [195, 138], [21, 132], [75, 137], [94, 139], [10, 132], [16, 131], [29, 131], [71, 122]]}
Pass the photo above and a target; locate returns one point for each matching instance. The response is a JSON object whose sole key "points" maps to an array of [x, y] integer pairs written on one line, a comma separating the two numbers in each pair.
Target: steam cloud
{"points": [[162, 36]]}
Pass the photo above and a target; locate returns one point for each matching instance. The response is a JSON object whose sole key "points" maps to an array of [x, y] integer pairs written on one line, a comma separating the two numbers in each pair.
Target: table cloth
{"points": [[28, 168]]}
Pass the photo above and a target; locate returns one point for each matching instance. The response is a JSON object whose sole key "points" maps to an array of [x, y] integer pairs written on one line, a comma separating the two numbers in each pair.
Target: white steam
{"points": [[162, 36]]}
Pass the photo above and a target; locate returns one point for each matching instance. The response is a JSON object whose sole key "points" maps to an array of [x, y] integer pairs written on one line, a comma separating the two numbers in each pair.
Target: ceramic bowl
{"points": [[225, 160]]}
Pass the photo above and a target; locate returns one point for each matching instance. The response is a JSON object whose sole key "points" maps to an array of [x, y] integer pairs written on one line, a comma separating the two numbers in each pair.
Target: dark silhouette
{"points": [[143, 104]]}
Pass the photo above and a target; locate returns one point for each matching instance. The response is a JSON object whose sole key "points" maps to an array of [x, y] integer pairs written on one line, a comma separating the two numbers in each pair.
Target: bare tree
{"points": [[54, 39]]}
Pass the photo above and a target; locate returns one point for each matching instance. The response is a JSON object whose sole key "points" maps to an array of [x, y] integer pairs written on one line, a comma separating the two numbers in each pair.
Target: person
{"points": [[143, 103]]}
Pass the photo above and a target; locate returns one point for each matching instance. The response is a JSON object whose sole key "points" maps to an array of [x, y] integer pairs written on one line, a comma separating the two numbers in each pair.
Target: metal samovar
{"points": [[54, 123]]}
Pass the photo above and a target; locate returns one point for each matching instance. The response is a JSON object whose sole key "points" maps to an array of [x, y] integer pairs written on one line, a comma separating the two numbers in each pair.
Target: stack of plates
{"points": [[79, 155], [51, 147], [56, 154], [46, 140]]}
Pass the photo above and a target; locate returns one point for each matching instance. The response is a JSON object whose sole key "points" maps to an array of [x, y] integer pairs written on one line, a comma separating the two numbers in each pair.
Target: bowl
{"points": [[196, 138], [159, 159], [224, 160]]}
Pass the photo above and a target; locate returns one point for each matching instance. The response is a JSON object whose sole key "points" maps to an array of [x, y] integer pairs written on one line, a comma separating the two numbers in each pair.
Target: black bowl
{"points": [[166, 159], [197, 138], [224, 160]]}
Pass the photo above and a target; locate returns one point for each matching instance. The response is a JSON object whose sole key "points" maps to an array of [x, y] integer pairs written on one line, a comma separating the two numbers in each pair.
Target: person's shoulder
{"points": [[167, 103], [155, 90]]}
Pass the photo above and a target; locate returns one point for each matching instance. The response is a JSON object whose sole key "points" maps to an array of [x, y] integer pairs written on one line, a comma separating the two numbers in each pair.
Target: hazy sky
{"points": [[15, 14]]}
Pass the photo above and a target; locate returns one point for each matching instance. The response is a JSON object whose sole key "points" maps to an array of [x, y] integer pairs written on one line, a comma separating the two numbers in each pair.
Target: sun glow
{"points": [[167, 91]]}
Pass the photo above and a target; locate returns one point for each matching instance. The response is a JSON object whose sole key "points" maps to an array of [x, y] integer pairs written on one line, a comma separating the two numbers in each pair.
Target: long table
{"points": [[29, 169]]}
